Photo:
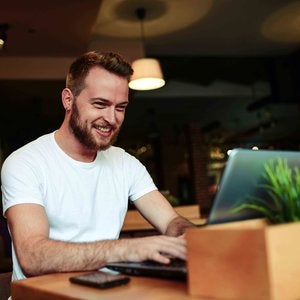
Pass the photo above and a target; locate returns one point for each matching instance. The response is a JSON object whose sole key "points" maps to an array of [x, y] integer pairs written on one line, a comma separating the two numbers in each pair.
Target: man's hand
{"points": [[158, 248]]}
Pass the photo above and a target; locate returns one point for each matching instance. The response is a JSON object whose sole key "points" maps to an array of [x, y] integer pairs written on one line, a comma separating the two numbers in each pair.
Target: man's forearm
{"points": [[41, 256], [178, 226], [47, 256]]}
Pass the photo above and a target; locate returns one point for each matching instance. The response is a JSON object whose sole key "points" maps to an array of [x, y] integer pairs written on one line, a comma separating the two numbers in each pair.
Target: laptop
{"points": [[240, 178]]}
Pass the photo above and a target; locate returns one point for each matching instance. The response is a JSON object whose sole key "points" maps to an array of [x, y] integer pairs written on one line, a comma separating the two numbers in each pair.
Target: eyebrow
{"points": [[106, 100]]}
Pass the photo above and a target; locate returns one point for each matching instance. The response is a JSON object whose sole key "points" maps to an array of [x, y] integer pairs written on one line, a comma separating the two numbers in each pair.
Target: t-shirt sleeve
{"points": [[140, 181], [19, 182]]}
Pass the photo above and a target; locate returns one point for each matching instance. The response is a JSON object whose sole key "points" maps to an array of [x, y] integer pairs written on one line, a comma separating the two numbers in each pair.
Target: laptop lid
{"points": [[241, 178]]}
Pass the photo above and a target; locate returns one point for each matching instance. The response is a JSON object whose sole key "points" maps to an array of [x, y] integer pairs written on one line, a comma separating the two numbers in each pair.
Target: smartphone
{"points": [[100, 279]]}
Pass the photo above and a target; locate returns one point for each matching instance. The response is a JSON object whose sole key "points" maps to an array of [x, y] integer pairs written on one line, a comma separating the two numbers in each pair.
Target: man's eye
{"points": [[100, 105], [121, 108]]}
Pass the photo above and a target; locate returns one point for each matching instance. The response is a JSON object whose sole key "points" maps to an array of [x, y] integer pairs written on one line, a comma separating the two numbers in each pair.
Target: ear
{"points": [[67, 98]]}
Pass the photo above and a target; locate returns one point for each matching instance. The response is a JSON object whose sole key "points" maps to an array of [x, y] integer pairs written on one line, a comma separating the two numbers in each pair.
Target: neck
{"points": [[72, 147]]}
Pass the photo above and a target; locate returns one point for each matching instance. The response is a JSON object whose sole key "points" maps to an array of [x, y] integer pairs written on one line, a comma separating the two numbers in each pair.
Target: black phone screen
{"points": [[100, 279]]}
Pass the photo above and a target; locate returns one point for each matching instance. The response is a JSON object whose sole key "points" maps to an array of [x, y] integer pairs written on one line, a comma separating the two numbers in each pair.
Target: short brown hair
{"points": [[80, 68]]}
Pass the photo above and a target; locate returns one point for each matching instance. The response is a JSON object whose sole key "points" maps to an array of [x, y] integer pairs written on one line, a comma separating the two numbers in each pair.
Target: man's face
{"points": [[98, 111]]}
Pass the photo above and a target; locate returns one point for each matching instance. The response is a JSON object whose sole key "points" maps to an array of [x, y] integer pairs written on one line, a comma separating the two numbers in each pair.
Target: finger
{"points": [[161, 258], [172, 248]]}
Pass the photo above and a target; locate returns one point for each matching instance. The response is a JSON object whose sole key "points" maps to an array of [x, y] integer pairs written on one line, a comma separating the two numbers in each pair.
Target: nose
{"points": [[110, 115]]}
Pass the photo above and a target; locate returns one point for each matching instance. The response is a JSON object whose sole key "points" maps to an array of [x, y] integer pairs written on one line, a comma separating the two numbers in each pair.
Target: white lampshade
{"points": [[1, 43], [147, 75]]}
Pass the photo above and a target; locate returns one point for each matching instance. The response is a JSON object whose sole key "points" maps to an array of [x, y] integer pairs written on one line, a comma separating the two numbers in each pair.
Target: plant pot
{"points": [[244, 260]]}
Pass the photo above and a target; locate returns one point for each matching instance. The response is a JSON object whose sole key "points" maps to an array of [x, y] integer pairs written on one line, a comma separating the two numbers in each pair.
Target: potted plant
{"points": [[254, 259]]}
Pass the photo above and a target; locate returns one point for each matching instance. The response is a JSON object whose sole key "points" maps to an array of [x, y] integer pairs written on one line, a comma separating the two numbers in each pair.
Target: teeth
{"points": [[103, 129]]}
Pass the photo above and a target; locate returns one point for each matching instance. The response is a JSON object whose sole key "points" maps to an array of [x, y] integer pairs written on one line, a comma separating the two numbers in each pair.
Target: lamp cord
{"points": [[141, 14]]}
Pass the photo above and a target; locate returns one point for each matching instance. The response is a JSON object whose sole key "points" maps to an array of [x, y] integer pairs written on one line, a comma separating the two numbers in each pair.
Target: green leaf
{"points": [[282, 185]]}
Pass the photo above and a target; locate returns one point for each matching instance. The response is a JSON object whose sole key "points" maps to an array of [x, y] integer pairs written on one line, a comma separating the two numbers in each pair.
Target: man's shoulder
{"points": [[32, 149]]}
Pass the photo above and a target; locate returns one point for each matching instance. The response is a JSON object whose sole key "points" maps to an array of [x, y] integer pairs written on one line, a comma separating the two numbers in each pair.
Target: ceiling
{"points": [[174, 29]]}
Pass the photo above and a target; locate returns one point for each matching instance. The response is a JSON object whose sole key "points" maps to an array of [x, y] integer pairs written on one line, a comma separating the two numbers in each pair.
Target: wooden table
{"points": [[57, 286], [135, 221]]}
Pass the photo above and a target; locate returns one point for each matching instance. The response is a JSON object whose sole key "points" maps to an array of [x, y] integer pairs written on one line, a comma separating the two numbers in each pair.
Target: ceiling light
{"points": [[3, 34], [283, 25], [147, 73]]}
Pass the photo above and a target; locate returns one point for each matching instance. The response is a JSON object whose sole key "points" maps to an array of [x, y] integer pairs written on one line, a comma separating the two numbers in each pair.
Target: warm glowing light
{"points": [[147, 75]]}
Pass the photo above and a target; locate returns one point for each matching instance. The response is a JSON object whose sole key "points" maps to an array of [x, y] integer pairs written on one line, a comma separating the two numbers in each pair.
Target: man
{"points": [[65, 195]]}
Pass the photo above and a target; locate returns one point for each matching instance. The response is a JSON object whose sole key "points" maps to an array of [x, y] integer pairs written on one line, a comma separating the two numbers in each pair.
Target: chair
{"points": [[5, 260], [5, 280]]}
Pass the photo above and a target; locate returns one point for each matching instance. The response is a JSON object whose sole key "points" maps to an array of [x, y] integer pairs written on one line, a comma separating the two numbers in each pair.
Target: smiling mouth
{"points": [[104, 129]]}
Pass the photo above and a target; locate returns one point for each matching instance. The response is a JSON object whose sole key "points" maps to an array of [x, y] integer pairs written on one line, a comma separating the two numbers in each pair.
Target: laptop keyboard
{"points": [[176, 269], [174, 263]]}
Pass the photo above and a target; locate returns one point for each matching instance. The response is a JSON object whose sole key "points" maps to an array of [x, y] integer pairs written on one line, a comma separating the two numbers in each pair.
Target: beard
{"points": [[84, 135]]}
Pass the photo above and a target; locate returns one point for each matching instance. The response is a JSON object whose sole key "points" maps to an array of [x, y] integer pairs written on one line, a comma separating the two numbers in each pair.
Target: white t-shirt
{"points": [[84, 202]]}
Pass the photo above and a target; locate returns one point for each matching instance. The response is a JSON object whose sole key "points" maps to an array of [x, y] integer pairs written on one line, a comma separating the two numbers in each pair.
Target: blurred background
{"points": [[231, 68]]}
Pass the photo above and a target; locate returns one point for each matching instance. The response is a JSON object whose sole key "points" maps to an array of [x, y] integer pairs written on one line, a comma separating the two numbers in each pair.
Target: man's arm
{"points": [[37, 254], [159, 212]]}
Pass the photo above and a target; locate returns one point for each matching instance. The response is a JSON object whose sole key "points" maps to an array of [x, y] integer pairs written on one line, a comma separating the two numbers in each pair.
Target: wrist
{"points": [[177, 226]]}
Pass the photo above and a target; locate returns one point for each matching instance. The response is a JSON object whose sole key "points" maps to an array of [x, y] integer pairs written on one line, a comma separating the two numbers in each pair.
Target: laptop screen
{"points": [[241, 179]]}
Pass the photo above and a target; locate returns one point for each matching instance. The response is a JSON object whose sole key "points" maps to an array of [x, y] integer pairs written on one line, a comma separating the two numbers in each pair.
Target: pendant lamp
{"points": [[3, 34], [147, 73]]}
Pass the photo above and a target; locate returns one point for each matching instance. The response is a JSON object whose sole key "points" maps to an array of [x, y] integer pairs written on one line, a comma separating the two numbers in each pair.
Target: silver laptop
{"points": [[240, 179]]}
